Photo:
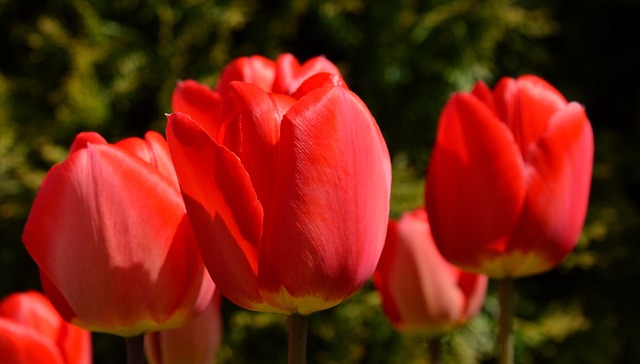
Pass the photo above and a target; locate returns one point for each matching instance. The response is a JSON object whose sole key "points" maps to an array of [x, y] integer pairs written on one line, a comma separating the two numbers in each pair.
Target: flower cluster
{"points": [[272, 189]]}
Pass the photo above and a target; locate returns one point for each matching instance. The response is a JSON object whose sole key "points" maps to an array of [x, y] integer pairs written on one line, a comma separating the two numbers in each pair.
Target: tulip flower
{"points": [[196, 343], [421, 292], [288, 194], [109, 232], [32, 331], [509, 178]]}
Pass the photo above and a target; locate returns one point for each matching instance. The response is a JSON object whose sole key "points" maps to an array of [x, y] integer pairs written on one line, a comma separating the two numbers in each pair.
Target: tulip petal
{"points": [[559, 178], [319, 80], [421, 277], [475, 176], [200, 102], [290, 74], [19, 344], [33, 310], [153, 150], [474, 288], [324, 235], [256, 70], [77, 225], [223, 208], [253, 135], [526, 104]]}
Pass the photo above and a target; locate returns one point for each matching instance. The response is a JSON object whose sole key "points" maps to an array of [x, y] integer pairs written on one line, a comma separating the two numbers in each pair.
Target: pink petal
{"points": [[422, 283], [223, 208], [325, 231], [196, 343], [475, 176], [474, 288]]}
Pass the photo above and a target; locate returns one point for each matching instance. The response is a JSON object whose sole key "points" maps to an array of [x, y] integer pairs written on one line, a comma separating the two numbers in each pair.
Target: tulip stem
{"points": [[435, 350], [135, 349], [505, 336], [297, 338]]}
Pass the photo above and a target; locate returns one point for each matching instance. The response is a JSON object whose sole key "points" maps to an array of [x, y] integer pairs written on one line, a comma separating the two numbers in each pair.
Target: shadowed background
{"points": [[70, 66]]}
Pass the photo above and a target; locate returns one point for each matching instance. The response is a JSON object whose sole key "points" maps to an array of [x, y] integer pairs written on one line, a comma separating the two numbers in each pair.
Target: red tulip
{"points": [[509, 178], [109, 232], [289, 198], [196, 343], [420, 290], [31, 331], [283, 76]]}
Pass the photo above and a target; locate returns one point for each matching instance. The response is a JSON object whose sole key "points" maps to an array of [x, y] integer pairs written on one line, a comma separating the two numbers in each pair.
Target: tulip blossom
{"points": [[31, 331], [195, 343], [109, 232], [420, 290], [288, 194], [508, 182]]}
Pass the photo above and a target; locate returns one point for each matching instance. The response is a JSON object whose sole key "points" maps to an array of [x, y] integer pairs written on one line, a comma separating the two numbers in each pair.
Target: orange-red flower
{"points": [[196, 343], [508, 182], [420, 290], [109, 232], [31, 331], [288, 193]]}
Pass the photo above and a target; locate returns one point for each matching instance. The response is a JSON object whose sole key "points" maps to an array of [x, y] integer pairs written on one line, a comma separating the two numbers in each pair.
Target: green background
{"points": [[110, 66]]}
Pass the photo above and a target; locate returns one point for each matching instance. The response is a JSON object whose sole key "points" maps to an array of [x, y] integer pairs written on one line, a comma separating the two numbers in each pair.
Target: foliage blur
{"points": [[110, 66]]}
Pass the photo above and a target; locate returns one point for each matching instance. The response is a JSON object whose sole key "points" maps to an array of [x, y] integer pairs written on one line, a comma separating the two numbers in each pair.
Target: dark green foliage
{"points": [[69, 66]]}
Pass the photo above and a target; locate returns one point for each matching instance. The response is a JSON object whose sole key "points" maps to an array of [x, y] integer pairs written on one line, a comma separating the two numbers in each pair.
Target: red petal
{"points": [[223, 208], [326, 228], [19, 344], [33, 310], [526, 105], [83, 139], [475, 183], [319, 80], [559, 179], [200, 102], [253, 135], [256, 70], [484, 94], [153, 150], [290, 74]]}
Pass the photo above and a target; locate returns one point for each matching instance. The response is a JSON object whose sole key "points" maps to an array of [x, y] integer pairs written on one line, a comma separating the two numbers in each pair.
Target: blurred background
{"points": [[72, 65]]}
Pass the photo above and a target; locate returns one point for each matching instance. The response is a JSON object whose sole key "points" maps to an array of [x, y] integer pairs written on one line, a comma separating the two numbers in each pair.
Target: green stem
{"points": [[135, 349], [505, 336], [435, 350], [297, 338]]}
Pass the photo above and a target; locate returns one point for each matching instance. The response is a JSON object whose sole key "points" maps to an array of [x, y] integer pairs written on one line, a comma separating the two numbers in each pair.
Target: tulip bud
{"points": [[420, 290], [509, 178], [109, 232], [290, 190], [31, 331]]}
